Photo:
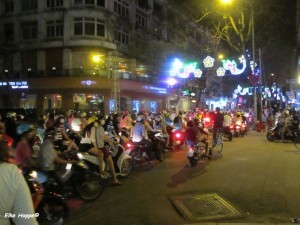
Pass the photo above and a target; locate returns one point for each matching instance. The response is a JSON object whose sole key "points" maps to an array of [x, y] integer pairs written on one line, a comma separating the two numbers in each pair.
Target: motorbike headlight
{"points": [[33, 174], [79, 155], [83, 165]]}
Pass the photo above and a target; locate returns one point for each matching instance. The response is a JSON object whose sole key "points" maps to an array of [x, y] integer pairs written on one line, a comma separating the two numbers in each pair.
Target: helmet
{"points": [[140, 118], [238, 113], [158, 118], [11, 114], [83, 114], [92, 119], [25, 127], [286, 112]]}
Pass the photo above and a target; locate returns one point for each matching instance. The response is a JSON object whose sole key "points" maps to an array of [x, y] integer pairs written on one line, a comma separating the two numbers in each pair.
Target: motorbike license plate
{"points": [[68, 166]]}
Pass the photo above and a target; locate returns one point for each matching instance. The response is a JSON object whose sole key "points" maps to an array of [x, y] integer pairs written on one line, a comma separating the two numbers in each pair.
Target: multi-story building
{"points": [[91, 54]]}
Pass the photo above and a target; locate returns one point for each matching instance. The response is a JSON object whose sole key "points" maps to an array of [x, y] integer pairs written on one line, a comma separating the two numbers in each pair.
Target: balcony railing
{"points": [[19, 75]]}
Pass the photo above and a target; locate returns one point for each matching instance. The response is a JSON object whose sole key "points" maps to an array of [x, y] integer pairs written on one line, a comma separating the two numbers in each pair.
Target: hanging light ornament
{"points": [[221, 72], [208, 62], [198, 73]]}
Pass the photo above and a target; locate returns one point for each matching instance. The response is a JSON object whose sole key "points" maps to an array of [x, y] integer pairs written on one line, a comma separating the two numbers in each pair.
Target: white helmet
{"points": [[140, 118], [158, 118]]}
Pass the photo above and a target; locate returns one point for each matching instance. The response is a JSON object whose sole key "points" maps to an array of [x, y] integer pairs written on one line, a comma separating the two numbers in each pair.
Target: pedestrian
{"points": [[15, 197]]}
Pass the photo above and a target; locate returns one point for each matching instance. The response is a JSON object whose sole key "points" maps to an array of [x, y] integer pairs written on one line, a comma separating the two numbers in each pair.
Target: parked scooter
{"points": [[122, 161], [50, 206], [275, 133]]}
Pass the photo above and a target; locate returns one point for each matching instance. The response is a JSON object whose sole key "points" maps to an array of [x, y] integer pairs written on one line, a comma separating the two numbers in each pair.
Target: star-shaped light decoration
{"points": [[221, 72], [198, 73], [208, 62]]}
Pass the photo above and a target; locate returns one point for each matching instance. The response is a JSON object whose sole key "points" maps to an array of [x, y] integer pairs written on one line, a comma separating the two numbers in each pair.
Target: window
{"points": [[121, 7], [29, 30], [55, 3], [89, 26], [9, 6], [90, 2], [29, 5], [8, 32], [122, 36], [141, 20], [55, 28]]}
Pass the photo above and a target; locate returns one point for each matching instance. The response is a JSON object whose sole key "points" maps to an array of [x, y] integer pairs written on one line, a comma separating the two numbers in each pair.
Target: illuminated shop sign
{"points": [[156, 89], [15, 84], [88, 82]]}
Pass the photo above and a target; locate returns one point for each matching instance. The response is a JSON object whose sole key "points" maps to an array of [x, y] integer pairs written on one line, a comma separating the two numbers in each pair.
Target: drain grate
{"points": [[204, 207]]}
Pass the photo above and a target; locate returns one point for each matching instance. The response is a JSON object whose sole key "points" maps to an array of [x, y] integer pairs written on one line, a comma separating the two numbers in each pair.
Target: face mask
{"points": [[102, 122], [62, 121], [96, 124]]}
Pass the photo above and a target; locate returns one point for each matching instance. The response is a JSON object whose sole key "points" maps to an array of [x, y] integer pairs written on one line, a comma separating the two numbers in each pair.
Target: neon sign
{"points": [[88, 82], [15, 84]]}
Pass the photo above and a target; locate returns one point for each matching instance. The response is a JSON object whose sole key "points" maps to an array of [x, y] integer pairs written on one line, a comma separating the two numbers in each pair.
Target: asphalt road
{"points": [[258, 177]]}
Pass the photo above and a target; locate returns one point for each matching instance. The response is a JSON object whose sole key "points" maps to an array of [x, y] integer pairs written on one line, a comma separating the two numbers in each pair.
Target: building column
{"points": [[41, 61]]}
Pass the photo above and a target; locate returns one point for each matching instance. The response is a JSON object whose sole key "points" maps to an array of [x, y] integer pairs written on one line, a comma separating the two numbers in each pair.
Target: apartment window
{"points": [[29, 5], [121, 7], [8, 32], [89, 26], [9, 6], [90, 2], [55, 3], [55, 28], [141, 20], [29, 30], [122, 36]]}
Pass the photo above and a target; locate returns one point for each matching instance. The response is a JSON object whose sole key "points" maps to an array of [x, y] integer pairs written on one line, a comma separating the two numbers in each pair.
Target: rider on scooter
{"points": [[139, 135], [194, 136]]}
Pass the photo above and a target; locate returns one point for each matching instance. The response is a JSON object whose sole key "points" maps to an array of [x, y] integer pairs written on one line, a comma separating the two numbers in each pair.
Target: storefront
{"points": [[61, 94]]}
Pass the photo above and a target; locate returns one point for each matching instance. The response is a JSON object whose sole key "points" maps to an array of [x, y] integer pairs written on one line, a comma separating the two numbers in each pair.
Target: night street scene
{"points": [[149, 112]]}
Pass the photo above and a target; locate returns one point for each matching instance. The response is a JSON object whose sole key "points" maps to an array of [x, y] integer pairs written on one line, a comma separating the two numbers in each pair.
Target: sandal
{"points": [[117, 183]]}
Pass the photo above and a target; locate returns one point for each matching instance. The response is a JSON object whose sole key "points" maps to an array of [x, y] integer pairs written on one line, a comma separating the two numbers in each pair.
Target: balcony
{"points": [[96, 73]]}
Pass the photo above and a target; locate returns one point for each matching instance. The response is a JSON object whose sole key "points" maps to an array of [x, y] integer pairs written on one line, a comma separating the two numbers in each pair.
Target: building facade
{"points": [[91, 55]]}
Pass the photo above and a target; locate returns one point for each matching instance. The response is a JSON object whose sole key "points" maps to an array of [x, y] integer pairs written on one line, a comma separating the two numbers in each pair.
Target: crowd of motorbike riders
{"points": [[55, 134]]}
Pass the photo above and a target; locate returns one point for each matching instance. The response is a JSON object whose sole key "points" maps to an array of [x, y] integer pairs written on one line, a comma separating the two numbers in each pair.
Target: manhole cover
{"points": [[204, 207]]}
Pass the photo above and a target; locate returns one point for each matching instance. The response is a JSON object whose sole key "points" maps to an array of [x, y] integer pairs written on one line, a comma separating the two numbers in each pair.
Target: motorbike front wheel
{"points": [[126, 167], [52, 211], [90, 189], [271, 136], [193, 161]]}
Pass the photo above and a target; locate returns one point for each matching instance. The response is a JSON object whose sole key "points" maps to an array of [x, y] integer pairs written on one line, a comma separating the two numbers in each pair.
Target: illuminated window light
{"points": [[53, 68], [29, 69]]}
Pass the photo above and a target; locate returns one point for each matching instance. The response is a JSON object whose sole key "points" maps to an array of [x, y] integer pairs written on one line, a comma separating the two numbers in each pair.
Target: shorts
{"points": [[106, 152], [85, 147]]}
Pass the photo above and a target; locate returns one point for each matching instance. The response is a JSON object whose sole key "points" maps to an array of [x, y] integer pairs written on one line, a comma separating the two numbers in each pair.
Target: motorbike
{"points": [[178, 139], [158, 144], [50, 207], [196, 152], [122, 161], [78, 179], [142, 152], [239, 129], [275, 133], [228, 132]]}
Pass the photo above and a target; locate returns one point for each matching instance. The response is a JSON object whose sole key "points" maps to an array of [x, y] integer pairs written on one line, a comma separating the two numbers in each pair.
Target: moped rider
{"points": [[140, 136]]}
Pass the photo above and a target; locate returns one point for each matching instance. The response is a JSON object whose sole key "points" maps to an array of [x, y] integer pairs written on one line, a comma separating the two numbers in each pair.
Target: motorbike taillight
{"points": [[128, 145], [178, 136]]}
